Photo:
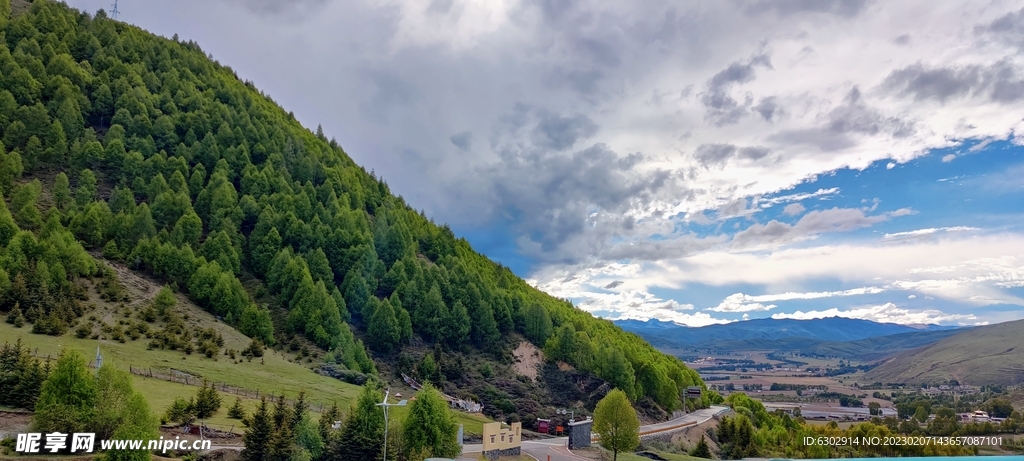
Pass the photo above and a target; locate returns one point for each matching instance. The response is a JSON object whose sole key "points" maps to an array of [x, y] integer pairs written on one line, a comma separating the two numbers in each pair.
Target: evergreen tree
{"points": [[207, 401], [537, 324], [61, 191], [485, 332], [432, 314], [457, 326], [237, 411], [362, 432], [86, 190], [701, 450], [383, 331], [258, 436], [299, 409]]}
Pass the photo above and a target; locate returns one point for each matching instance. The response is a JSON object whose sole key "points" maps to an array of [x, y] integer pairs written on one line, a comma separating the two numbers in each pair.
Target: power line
{"points": [[114, 12]]}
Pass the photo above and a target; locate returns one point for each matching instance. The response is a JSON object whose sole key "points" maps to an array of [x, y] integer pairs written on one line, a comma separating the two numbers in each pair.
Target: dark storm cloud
{"points": [[843, 8], [1008, 28], [278, 7], [561, 132], [768, 108], [856, 117], [999, 82], [556, 195], [722, 108], [717, 154], [440, 7], [462, 140], [851, 118]]}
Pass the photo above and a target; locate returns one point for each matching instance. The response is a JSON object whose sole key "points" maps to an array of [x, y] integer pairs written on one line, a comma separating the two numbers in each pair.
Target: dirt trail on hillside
{"points": [[528, 360]]}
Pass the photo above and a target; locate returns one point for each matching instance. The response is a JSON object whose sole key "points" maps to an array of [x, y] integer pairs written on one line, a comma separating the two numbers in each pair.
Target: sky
{"points": [[695, 162]]}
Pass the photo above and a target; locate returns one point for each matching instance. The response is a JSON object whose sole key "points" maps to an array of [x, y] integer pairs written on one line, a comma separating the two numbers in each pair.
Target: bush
{"points": [[344, 374], [84, 330], [255, 349]]}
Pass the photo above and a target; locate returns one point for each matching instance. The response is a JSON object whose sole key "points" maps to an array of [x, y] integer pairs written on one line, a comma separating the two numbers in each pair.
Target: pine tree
{"points": [[432, 314], [299, 409], [701, 450], [61, 191], [236, 411], [258, 436], [383, 332], [363, 430], [485, 332], [537, 324], [207, 401]]}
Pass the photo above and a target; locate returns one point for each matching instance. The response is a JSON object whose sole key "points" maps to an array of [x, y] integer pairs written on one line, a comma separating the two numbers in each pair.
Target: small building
{"points": [[502, 440], [543, 425], [580, 433]]}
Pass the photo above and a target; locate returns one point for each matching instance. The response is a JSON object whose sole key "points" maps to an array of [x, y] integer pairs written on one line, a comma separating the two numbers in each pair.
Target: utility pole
{"points": [[113, 11], [386, 405]]}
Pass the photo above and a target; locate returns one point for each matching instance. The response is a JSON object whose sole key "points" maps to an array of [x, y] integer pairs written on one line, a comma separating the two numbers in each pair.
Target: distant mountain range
{"points": [[992, 354], [834, 337]]}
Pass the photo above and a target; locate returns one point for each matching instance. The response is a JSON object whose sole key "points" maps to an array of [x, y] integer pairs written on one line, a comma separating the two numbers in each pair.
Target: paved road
{"points": [[557, 447]]}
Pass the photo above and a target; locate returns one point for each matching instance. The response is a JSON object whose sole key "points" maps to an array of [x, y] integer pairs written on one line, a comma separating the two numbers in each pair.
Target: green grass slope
{"points": [[992, 354]]}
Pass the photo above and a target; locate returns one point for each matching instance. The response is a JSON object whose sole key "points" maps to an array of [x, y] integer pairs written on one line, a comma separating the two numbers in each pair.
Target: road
{"points": [[558, 450]]}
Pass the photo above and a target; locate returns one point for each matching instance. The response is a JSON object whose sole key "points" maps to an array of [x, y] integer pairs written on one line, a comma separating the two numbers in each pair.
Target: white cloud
{"points": [[697, 319], [948, 158], [890, 165], [774, 233], [912, 297], [793, 209], [820, 193], [929, 231], [886, 313], [970, 269], [627, 300], [739, 302]]}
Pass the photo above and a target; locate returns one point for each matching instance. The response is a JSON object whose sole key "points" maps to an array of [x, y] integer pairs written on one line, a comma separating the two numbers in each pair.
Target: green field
{"points": [[274, 373]]}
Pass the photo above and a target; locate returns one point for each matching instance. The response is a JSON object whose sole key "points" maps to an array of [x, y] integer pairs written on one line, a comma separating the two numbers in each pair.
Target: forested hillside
{"points": [[144, 150]]}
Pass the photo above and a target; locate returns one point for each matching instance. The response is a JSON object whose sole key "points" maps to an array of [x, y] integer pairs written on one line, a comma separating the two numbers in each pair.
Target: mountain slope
{"points": [[144, 149], [829, 329], [857, 339], [982, 355]]}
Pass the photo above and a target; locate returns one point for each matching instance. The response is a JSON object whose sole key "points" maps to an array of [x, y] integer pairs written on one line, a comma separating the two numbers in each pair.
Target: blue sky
{"points": [[947, 198], [697, 162]]}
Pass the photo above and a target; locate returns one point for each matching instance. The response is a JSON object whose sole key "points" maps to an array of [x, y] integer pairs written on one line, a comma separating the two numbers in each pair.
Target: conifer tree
{"points": [[362, 432], [383, 332], [258, 436], [701, 450]]}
